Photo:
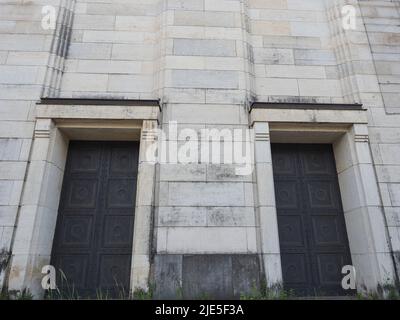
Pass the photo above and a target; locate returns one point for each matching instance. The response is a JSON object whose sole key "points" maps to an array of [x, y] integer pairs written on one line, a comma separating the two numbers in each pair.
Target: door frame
{"points": [[347, 131], [56, 124]]}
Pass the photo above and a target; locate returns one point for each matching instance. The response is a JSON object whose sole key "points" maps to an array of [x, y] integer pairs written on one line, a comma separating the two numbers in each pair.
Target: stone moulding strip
{"points": [[100, 102], [361, 138], [106, 109], [304, 106], [42, 134], [149, 135], [309, 115], [261, 136]]}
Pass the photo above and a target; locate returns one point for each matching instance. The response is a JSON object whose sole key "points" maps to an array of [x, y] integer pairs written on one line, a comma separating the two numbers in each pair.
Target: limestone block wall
{"points": [[111, 50], [206, 81], [294, 59], [381, 20], [206, 60], [366, 60], [302, 53], [24, 55], [205, 85]]}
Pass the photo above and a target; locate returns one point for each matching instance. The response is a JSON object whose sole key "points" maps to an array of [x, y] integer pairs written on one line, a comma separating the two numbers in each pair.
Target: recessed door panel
{"points": [[92, 247], [312, 233]]}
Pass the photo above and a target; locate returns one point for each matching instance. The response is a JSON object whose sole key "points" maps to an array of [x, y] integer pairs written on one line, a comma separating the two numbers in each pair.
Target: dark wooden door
{"points": [[312, 233], [94, 233]]}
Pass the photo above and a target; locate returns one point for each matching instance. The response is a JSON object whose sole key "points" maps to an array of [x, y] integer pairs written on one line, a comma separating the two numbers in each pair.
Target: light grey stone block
{"points": [[132, 52], [12, 170], [138, 23], [183, 172], [27, 58], [8, 215], [118, 9], [89, 50], [394, 190], [6, 188], [205, 79], [202, 18], [18, 75], [21, 42], [206, 194], [84, 82], [10, 149], [273, 56], [186, 4], [94, 22], [127, 83], [182, 216], [217, 48], [106, 36], [322, 55], [231, 217]]}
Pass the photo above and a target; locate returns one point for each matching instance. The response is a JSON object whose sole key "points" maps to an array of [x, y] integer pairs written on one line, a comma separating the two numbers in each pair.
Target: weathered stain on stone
{"points": [[15, 271], [4, 259]]}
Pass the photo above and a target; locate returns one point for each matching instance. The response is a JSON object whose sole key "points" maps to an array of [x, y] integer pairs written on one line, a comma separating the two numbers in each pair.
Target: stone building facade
{"points": [[310, 90]]}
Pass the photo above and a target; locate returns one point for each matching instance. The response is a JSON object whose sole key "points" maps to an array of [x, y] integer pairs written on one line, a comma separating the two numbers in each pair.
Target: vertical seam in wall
{"points": [[17, 217], [388, 237]]}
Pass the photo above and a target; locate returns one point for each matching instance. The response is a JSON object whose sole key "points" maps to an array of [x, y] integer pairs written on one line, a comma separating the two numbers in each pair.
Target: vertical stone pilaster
{"points": [[144, 209], [59, 49], [384, 272], [265, 206], [37, 216], [362, 206]]}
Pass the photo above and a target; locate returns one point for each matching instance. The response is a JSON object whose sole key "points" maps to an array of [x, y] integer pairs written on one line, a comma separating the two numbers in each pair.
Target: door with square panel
{"points": [[312, 232], [92, 247]]}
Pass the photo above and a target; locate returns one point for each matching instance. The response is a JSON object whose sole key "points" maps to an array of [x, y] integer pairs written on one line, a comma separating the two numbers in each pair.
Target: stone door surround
{"points": [[346, 128], [57, 122]]}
